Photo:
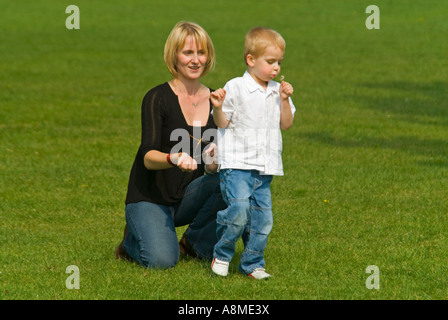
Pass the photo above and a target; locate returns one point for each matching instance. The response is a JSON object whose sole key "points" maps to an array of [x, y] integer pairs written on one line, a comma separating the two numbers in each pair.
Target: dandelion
{"points": [[282, 77]]}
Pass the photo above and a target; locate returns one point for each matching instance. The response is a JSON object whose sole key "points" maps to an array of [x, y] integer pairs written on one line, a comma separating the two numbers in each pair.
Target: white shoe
{"points": [[220, 267], [259, 274]]}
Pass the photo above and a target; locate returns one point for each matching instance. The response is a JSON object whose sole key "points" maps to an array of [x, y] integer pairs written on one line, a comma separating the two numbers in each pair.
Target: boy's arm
{"points": [[217, 98], [286, 116]]}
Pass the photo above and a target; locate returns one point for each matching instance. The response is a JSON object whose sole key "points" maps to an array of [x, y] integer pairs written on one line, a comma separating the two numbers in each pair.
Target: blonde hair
{"points": [[176, 41], [259, 38]]}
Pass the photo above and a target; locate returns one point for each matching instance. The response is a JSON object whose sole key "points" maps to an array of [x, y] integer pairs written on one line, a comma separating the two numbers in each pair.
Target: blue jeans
{"points": [[152, 239], [248, 215]]}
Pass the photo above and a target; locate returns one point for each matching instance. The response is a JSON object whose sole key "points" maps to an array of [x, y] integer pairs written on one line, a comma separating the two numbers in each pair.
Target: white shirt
{"points": [[252, 140]]}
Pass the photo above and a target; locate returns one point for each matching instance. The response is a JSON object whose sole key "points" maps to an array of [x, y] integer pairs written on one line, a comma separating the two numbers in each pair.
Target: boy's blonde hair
{"points": [[176, 41], [259, 38]]}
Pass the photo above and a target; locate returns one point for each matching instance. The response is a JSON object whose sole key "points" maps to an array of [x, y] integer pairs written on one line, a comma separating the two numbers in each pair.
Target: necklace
{"points": [[194, 104]]}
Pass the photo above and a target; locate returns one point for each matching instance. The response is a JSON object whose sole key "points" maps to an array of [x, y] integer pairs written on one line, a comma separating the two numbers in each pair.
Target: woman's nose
{"points": [[195, 58]]}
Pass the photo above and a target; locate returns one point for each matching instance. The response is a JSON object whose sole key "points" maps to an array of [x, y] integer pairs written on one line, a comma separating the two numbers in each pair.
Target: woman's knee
{"points": [[152, 239], [159, 260]]}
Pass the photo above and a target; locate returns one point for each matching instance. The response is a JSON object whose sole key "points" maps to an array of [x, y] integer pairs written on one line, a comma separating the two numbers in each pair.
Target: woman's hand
{"points": [[184, 162]]}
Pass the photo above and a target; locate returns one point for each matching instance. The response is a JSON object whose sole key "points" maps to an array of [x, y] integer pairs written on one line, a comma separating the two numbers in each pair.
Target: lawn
{"points": [[366, 161]]}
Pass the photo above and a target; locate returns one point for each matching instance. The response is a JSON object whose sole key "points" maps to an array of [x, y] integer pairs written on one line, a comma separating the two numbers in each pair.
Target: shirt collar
{"points": [[254, 86]]}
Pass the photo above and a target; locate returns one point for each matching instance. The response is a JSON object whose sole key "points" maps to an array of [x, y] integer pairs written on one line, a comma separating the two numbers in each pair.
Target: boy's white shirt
{"points": [[252, 140]]}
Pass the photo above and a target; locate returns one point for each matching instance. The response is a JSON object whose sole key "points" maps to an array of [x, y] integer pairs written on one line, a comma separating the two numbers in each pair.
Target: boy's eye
{"points": [[279, 62]]}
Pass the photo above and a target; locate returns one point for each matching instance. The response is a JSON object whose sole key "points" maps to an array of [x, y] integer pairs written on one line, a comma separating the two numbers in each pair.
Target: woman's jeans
{"points": [[152, 239], [248, 215]]}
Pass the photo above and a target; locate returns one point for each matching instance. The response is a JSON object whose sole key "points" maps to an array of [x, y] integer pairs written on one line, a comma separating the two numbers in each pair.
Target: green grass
{"points": [[366, 161]]}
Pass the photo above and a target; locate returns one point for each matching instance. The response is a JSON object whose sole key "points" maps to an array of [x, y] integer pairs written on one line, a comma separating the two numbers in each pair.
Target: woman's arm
{"points": [[151, 141]]}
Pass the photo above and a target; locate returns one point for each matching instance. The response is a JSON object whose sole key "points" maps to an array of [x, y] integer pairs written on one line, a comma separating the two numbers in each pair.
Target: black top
{"points": [[161, 116]]}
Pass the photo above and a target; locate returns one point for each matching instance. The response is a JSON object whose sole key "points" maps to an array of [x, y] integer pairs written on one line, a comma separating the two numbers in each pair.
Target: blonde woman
{"points": [[168, 187]]}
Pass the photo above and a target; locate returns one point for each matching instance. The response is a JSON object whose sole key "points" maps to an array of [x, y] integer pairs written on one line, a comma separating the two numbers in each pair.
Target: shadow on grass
{"points": [[425, 103], [434, 149], [422, 104]]}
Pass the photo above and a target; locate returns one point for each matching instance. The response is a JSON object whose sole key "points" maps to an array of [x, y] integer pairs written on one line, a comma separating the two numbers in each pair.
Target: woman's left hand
{"points": [[186, 163]]}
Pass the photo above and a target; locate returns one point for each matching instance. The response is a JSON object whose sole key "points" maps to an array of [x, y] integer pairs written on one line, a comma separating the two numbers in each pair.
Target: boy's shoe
{"points": [[220, 267], [259, 274]]}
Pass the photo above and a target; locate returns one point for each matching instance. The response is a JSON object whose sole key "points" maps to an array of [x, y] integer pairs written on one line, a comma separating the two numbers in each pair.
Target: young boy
{"points": [[249, 113]]}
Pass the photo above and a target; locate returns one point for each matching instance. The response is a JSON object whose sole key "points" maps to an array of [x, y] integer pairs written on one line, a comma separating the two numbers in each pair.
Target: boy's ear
{"points": [[250, 60]]}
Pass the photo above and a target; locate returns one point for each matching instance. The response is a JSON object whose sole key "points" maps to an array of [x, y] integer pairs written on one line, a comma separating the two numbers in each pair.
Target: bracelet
{"points": [[168, 159]]}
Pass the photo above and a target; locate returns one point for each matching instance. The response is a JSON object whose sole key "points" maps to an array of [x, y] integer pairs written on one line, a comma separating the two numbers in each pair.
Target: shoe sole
{"points": [[265, 278]]}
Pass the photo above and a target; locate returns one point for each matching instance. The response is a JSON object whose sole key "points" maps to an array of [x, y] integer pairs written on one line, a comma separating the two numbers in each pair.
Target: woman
{"points": [[168, 189]]}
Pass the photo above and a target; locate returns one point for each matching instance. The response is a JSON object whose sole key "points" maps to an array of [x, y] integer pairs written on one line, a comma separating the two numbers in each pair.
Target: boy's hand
{"points": [[286, 90], [211, 154], [217, 97]]}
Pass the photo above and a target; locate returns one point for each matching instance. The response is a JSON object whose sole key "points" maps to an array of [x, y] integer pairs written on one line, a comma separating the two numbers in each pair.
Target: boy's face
{"points": [[267, 66]]}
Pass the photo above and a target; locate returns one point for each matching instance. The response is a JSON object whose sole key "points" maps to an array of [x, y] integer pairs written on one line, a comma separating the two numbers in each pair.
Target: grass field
{"points": [[366, 161]]}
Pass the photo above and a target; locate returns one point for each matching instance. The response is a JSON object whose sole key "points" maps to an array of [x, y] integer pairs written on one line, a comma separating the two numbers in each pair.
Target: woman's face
{"points": [[191, 60]]}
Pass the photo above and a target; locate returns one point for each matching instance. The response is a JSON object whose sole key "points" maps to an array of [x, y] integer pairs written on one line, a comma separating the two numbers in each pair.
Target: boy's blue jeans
{"points": [[152, 239], [248, 215]]}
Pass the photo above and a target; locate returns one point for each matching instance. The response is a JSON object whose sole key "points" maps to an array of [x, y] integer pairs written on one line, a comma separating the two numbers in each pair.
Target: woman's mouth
{"points": [[194, 68]]}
